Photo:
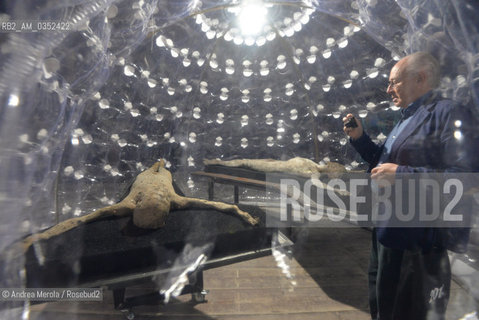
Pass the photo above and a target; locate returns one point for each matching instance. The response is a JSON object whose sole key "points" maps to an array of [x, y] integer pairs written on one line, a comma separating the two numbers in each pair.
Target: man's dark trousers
{"points": [[408, 284]]}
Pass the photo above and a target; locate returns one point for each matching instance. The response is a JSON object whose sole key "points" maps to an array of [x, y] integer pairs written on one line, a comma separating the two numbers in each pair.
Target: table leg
{"points": [[211, 185], [236, 194]]}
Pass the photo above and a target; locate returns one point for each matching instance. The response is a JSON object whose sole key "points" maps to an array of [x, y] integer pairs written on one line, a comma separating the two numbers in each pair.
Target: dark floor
{"points": [[324, 278]]}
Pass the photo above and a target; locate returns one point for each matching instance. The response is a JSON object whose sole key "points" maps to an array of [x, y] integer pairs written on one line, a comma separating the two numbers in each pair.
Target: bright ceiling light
{"points": [[252, 17], [13, 100]]}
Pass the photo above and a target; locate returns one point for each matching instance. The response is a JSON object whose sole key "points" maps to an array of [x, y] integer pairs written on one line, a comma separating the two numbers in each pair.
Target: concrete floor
{"points": [[324, 278]]}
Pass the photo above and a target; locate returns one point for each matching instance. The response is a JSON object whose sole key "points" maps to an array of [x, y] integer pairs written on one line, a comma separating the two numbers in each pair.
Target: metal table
{"points": [[113, 254]]}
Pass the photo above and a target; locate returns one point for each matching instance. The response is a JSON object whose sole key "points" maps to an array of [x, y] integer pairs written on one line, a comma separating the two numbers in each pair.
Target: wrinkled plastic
{"points": [[82, 112]]}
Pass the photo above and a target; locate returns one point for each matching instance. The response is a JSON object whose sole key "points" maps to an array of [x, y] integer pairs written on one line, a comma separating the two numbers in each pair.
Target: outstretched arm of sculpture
{"points": [[150, 199], [119, 209], [183, 202]]}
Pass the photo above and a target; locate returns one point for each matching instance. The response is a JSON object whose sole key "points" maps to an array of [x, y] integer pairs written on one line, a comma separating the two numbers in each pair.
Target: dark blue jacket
{"points": [[440, 137]]}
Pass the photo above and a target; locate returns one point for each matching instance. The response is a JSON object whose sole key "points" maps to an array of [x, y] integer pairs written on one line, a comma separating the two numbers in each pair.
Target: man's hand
{"points": [[384, 172], [353, 133]]}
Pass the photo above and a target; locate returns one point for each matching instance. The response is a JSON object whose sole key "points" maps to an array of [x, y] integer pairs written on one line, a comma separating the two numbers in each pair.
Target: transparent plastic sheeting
{"points": [[83, 111]]}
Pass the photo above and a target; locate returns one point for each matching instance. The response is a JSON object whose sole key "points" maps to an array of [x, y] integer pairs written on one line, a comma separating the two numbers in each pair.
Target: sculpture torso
{"points": [[152, 193]]}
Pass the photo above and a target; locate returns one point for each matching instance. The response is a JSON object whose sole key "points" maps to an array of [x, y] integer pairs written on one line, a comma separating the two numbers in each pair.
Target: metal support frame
{"points": [[195, 287]]}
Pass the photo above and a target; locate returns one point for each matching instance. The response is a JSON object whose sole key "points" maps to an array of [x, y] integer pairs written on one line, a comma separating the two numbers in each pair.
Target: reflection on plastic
{"points": [[188, 262]]}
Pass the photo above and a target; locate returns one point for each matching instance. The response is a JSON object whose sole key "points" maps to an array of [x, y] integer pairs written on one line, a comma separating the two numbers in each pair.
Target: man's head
{"points": [[412, 77]]}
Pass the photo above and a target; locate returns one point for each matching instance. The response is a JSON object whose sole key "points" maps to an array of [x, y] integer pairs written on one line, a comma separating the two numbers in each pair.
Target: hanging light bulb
{"points": [[252, 17]]}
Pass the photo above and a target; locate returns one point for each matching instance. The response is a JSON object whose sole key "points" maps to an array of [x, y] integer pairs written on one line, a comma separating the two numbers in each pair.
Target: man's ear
{"points": [[421, 77]]}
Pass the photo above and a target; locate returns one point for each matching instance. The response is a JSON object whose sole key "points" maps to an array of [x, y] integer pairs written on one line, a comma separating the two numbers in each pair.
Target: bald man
{"points": [[409, 271]]}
